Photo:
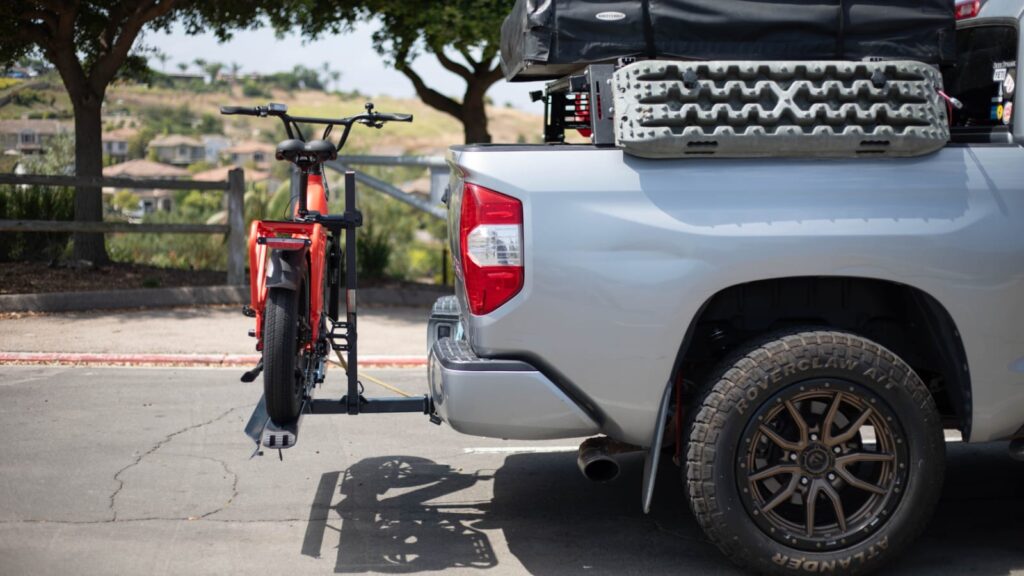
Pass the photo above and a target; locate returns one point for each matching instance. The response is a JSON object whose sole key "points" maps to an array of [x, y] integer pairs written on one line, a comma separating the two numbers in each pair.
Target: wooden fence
{"points": [[234, 186]]}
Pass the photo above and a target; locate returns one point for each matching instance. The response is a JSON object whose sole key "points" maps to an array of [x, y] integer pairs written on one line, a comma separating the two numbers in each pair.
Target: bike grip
{"points": [[227, 110], [395, 117]]}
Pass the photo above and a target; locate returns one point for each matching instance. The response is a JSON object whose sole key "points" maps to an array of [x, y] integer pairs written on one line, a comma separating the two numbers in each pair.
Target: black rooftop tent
{"points": [[547, 39]]}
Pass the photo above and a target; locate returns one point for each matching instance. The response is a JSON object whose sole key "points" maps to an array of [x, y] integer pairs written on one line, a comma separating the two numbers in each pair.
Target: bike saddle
{"points": [[322, 149], [305, 154], [290, 150]]}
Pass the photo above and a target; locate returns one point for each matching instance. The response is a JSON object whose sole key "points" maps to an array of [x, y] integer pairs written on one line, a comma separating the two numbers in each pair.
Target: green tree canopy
{"points": [[461, 34], [92, 42]]}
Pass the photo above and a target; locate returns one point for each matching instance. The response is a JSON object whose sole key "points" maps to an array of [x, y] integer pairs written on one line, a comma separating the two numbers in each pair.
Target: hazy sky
{"points": [[352, 54]]}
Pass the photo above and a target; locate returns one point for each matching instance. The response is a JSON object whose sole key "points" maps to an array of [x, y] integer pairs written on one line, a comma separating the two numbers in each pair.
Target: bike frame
{"points": [[263, 235], [315, 235]]}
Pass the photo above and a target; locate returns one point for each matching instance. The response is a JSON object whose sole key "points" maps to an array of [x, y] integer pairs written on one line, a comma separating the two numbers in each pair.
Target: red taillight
{"points": [[283, 243], [581, 106], [491, 241], [967, 8]]}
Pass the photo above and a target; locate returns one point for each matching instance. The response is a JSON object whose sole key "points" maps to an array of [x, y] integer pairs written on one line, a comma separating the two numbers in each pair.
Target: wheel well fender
{"points": [[903, 318]]}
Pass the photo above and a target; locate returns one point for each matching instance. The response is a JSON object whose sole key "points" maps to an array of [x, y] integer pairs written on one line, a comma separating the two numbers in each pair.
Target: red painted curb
{"points": [[180, 359]]}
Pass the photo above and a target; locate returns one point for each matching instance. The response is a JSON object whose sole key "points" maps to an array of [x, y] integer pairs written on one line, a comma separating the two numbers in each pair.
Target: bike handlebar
{"points": [[291, 123], [262, 111], [228, 110], [280, 110], [392, 117]]}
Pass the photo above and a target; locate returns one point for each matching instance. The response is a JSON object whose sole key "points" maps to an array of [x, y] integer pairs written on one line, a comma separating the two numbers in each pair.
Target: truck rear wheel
{"points": [[817, 452], [283, 358]]}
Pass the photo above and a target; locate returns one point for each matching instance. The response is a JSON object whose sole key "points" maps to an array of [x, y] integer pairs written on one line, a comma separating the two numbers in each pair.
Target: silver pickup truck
{"points": [[798, 332]]}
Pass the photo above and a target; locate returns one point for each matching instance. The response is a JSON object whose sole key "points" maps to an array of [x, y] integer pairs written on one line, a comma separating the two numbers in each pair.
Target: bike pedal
{"points": [[248, 311], [250, 375]]}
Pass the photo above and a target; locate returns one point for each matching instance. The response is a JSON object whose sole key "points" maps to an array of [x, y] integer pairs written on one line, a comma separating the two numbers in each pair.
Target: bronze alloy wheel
{"points": [[813, 451], [822, 465]]}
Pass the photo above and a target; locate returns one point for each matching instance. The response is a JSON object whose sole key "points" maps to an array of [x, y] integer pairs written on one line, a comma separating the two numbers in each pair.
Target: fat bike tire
{"points": [[282, 377]]}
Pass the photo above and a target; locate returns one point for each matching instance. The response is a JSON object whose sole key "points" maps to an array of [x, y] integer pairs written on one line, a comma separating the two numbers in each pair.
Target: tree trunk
{"points": [[474, 115], [471, 111], [89, 162]]}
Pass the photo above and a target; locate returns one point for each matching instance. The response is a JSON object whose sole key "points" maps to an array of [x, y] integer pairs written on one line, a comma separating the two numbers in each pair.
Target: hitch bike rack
{"points": [[261, 429]]}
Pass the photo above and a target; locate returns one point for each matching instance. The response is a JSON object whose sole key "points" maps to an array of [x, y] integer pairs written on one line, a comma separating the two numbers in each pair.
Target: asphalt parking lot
{"points": [[146, 471]]}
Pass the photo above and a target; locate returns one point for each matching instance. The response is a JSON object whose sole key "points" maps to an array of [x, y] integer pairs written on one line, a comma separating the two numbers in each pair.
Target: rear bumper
{"points": [[500, 398]]}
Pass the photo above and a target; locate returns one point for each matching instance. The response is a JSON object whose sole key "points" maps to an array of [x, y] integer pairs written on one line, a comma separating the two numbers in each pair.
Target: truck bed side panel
{"points": [[621, 253]]}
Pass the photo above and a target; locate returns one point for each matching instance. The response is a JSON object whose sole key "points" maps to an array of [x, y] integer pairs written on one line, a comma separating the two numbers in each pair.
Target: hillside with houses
{"points": [[170, 128]]}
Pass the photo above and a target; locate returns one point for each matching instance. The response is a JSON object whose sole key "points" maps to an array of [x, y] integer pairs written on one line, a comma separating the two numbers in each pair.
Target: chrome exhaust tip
{"points": [[597, 466], [596, 461], [1017, 449]]}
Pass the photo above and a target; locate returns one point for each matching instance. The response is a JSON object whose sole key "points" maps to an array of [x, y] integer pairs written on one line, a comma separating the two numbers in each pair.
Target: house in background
{"points": [[215, 145], [149, 200], [177, 149], [250, 153], [115, 143], [30, 136], [220, 174]]}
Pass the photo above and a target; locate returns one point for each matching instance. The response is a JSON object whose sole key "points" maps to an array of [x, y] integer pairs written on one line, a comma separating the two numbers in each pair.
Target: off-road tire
{"points": [[282, 385], [720, 448]]}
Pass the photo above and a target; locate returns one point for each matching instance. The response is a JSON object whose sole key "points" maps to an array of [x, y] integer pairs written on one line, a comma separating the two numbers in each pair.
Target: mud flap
{"points": [[654, 452], [286, 269]]}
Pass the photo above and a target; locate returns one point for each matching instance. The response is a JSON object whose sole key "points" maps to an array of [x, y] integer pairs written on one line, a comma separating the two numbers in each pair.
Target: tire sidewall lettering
{"points": [[806, 368], [801, 563]]}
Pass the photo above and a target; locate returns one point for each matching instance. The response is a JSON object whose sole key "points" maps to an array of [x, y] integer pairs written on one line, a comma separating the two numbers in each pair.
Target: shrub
{"points": [[186, 251], [179, 120], [189, 251], [124, 201], [253, 90], [34, 203], [373, 253]]}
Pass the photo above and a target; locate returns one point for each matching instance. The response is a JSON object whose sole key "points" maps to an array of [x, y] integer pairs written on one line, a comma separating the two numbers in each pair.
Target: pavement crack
{"points": [[234, 487], [160, 444]]}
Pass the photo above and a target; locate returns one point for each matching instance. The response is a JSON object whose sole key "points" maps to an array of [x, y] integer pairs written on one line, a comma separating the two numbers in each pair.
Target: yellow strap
{"points": [[341, 362]]}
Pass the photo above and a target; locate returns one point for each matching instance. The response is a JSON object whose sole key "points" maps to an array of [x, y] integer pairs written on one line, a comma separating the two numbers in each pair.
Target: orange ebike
{"points": [[297, 271]]}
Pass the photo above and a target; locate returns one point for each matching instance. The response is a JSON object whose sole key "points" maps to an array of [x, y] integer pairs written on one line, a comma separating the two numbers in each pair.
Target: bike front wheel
{"points": [[283, 376]]}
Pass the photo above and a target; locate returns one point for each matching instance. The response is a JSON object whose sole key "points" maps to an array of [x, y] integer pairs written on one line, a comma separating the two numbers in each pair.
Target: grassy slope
{"points": [[52, 98], [431, 132]]}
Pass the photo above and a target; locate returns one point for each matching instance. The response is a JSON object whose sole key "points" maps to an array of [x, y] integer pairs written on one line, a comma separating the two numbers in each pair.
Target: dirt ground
{"points": [[38, 277]]}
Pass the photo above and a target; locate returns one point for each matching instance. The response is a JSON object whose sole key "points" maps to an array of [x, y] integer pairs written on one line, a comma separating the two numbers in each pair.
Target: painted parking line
{"points": [[520, 449], [206, 360]]}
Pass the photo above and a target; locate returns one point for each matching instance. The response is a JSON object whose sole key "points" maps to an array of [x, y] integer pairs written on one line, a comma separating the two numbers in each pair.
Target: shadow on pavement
{"points": [[386, 523], [555, 522], [978, 527]]}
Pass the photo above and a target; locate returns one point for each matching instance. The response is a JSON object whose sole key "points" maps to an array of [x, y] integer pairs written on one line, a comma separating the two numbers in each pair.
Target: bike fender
{"points": [[286, 269]]}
